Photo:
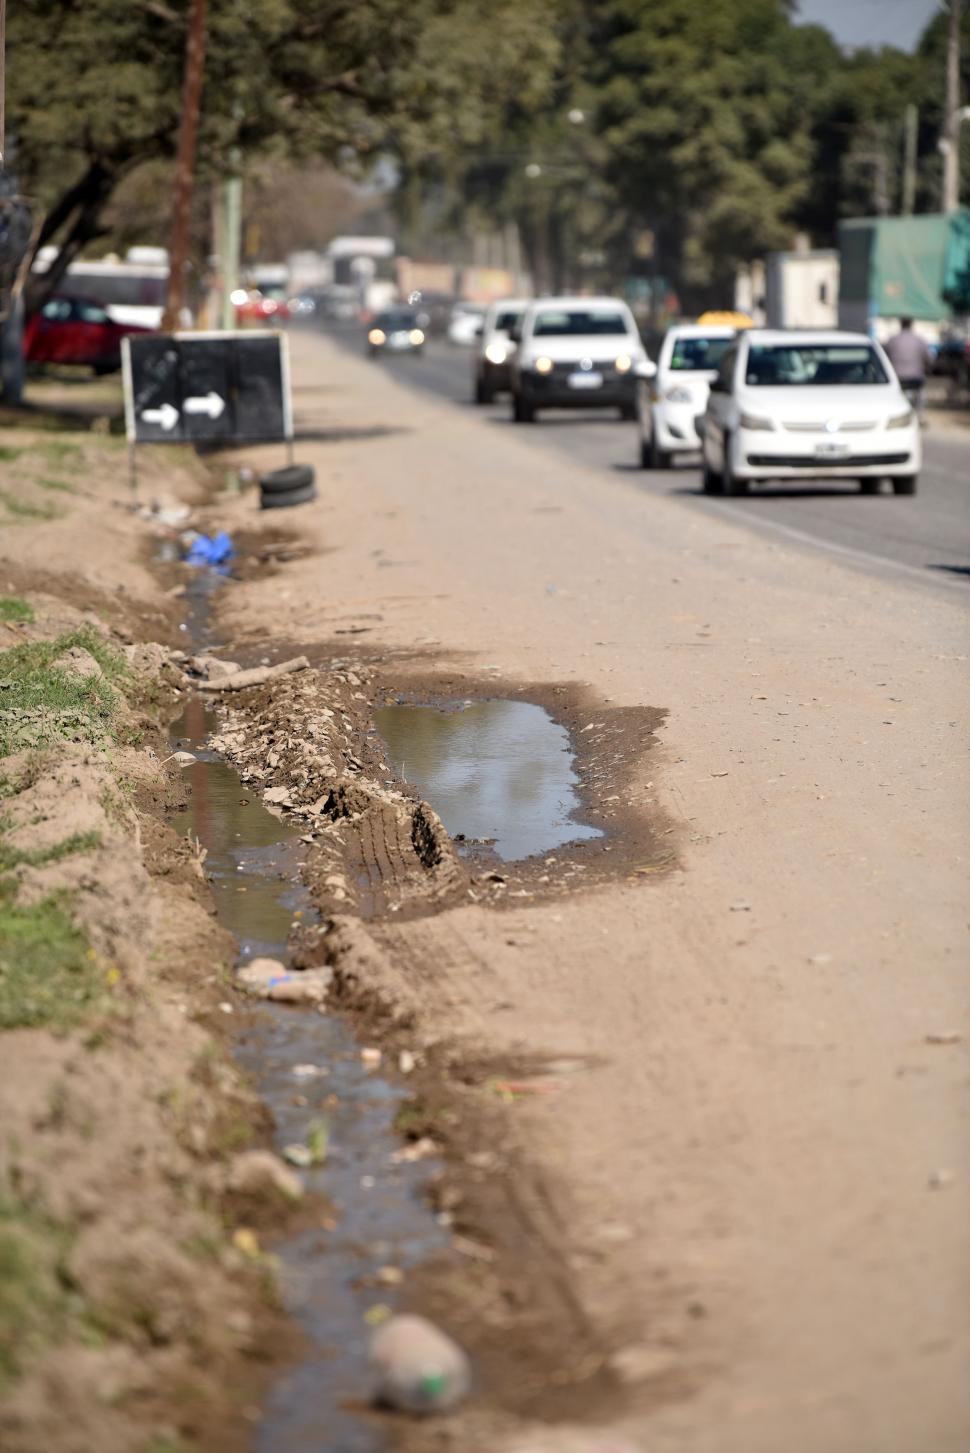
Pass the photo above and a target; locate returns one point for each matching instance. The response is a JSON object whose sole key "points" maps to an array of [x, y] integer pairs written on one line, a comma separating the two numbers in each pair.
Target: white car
{"points": [[576, 353], [793, 404], [465, 323], [669, 405], [495, 348]]}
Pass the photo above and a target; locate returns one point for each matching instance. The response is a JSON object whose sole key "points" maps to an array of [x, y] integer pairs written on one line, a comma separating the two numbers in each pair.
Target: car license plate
{"points": [[831, 450], [585, 380]]}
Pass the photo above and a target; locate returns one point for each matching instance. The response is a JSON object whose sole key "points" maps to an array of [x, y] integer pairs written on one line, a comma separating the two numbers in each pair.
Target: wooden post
{"points": [[185, 167]]}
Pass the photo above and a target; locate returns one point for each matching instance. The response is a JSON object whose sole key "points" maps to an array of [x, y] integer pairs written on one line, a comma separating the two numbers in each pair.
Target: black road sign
{"points": [[207, 387]]}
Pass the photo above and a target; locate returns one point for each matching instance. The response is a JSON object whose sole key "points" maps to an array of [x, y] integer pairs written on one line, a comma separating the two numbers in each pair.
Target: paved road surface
{"points": [[925, 541]]}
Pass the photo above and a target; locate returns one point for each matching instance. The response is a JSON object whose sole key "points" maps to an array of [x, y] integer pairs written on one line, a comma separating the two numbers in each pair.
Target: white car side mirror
{"points": [[646, 369]]}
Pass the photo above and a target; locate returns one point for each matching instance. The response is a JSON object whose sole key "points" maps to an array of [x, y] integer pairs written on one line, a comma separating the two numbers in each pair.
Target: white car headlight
{"points": [[624, 363], [377, 336], [900, 421], [755, 421], [678, 395], [416, 337], [496, 352], [543, 365]]}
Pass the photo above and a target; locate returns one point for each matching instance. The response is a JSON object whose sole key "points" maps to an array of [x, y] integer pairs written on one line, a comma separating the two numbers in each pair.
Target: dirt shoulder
{"points": [[752, 1177], [131, 1316]]}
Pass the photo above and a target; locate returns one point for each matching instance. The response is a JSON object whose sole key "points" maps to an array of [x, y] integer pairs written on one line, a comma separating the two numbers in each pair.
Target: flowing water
{"points": [[376, 1216], [499, 772]]}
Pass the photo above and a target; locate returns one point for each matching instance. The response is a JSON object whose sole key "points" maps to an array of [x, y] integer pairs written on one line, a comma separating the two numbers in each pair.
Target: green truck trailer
{"points": [[899, 267]]}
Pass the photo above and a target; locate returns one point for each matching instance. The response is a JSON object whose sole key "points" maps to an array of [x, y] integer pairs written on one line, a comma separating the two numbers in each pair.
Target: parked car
{"points": [[396, 330], [800, 405], [253, 306], [465, 323], [576, 353], [72, 330], [669, 404], [495, 348]]}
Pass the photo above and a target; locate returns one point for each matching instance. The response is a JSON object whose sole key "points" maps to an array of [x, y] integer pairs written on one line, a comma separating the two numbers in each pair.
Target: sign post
{"points": [[206, 388]]}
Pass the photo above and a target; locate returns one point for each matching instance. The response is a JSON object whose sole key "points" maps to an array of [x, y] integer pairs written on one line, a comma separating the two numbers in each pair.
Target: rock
{"points": [[639, 1362], [371, 1058], [260, 1173], [417, 1368], [271, 979], [78, 662], [278, 796], [298, 1154], [406, 1062]]}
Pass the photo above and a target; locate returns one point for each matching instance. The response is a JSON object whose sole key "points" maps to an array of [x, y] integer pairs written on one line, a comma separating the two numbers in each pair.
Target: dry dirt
{"points": [[735, 1209]]}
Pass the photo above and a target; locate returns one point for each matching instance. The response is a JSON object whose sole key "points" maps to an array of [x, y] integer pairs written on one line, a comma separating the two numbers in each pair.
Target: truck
{"points": [[903, 267]]}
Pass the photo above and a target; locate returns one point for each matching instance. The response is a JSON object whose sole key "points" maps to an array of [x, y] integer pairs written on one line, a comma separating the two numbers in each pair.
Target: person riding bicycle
{"points": [[911, 358]]}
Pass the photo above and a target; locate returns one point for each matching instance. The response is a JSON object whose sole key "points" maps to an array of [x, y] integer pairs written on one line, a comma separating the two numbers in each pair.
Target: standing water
{"points": [[332, 1273], [494, 771]]}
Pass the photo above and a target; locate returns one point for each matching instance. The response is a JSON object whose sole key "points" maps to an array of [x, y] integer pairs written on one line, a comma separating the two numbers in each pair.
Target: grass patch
{"points": [[49, 977], [58, 484], [12, 608], [79, 842], [41, 704], [20, 509], [37, 1305], [8, 453], [58, 451]]}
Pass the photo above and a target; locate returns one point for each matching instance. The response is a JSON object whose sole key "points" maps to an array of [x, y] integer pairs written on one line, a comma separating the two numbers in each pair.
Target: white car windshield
{"points": [[506, 320], [578, 323], [694, 355], [777, 365]]}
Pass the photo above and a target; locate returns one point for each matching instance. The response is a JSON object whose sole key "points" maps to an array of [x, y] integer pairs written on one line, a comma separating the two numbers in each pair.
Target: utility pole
{"points": [[950, 137], [3, 80], [231, 235], [185, 166], [909, 161]]}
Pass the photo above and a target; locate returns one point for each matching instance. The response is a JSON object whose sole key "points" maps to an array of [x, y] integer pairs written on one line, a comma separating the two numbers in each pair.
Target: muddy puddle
{"points": [[307, 1068], [496, 772]]}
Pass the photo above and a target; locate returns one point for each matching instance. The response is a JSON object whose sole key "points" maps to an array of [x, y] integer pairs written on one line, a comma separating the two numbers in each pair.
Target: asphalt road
{"points": [[925, 540]]}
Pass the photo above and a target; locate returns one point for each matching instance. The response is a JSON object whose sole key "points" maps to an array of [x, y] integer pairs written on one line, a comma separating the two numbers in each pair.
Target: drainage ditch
{"points": [[308, 1069]]}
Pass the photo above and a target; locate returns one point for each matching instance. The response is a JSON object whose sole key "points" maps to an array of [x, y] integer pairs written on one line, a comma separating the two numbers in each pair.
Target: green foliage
{"points": [[35, 1300], [12, 608], [8, 453], [23, 510], [48, 975], [42, 704], [79, 842]]}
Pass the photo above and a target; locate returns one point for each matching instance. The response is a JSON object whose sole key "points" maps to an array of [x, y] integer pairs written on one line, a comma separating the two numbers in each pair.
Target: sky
{"points": [[871, 22]]}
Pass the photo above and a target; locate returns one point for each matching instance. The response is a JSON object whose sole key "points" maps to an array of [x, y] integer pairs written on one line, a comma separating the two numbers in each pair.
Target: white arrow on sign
{"points": [[211, 403], [167, 415]]}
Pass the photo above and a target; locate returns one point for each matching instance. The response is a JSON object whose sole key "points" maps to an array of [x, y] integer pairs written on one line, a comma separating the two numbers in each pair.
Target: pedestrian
{"points": [[910, 357]]}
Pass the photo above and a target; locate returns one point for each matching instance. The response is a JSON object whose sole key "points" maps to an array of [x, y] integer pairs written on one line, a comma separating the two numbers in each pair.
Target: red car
{"points": [[72, 330]]}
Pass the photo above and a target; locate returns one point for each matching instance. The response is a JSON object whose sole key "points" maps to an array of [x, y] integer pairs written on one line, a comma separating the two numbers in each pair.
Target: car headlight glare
{"points": [[496, 352], [624, 363], [900, 421], [543, 365], [416, 337], [377, 336], [755, 421], [678, 395]]}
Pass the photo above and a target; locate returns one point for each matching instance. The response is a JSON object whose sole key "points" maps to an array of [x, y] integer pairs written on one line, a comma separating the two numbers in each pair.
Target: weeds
{"points": [[48, 975], [35, 1299], [59, 484], [79, 842], [42, 704], [12, 608], [9, 452], [58, 451], [20, 509]]}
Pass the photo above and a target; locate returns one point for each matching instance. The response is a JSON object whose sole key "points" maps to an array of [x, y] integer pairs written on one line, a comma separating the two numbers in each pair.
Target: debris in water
{"points": [[207, 549], [260, 1172], [370, 1057], [417, 1367]]}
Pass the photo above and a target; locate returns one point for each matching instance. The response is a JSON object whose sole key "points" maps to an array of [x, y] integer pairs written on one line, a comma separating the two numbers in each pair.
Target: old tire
{"points": [[906, 485], [659, 458], [281, 481], [283, 499], [731, 483], [483, 394]]}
